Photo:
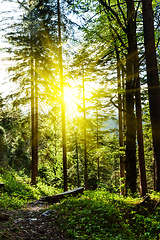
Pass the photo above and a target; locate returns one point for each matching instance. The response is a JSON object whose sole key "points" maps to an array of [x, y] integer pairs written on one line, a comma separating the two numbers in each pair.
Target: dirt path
{"points": [[34, 222]]}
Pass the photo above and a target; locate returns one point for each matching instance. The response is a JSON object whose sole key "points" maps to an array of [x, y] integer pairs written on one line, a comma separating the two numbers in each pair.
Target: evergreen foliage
{"points": [[105, 49], [110, 130]]}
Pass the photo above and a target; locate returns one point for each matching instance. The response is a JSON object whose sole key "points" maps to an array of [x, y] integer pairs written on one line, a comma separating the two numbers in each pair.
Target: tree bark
{"points": [[142, 169], [153, 82], [98, 173], [62, 103], [85, 143], [33, 168], [130, 163], [57, 197], [36, 119], [121, 143], [78, 180], [33, 142]]}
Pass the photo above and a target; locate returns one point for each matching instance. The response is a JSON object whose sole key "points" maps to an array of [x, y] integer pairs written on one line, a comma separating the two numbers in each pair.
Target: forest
{"points": [[80, 109]]}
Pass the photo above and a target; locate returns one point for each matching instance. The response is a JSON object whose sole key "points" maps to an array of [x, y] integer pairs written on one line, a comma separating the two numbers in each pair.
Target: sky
{"points": [[2, 65], [5, 88]]}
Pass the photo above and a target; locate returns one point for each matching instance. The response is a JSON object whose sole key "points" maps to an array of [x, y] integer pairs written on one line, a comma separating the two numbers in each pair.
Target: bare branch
{"points": [[120, 109], [108, 8], [124, 18], [136, 11], [157, 42], [23, 5]]}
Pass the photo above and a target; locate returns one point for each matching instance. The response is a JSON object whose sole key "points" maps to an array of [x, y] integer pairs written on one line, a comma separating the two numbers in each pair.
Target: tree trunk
{"points": [[130, 163], [33, 177], [121, 144], [36, 119], [78, 180], [85, 143], [98, 174], [1, 144], [62, 103], [142, 169], [57, 197], [33, 144], [124, 120], [153, 82]]}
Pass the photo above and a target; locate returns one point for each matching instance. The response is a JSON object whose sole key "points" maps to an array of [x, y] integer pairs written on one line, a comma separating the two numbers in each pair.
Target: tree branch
{"points": [[121, 11], [120, 39], [157, 42], [120, 109], [108, 8], [23, 5], [136, 11]]}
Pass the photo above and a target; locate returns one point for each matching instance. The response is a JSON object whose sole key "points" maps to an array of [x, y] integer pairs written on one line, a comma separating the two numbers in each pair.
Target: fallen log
{"points": [[57, 197], [2, 185]]}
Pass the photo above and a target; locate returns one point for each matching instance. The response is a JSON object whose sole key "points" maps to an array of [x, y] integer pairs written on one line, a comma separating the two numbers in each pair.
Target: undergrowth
{"points": [[96, 215], [18, 190], [99, 215]]}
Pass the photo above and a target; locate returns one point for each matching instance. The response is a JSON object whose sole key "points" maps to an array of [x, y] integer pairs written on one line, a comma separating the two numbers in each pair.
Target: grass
{"points": [[18, 191], [95, 215], [99, 215]]}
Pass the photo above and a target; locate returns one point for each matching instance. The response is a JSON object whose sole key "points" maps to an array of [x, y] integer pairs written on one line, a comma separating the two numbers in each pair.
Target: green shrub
{"points": [[18, 191]]}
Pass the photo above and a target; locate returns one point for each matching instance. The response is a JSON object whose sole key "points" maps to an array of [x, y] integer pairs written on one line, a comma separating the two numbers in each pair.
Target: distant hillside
{"points": [[112, 124]]}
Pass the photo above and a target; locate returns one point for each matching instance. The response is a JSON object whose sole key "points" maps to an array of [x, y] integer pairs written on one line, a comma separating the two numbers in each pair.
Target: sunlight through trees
{"points": [[86, 93]]}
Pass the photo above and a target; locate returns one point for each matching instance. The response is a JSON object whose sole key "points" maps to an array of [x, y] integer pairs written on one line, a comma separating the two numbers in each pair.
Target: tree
{"points": [[142, 169], [153, 82], [85, 143], [120, 120], [38, 66], [122, 29], [62, 101], [2, 144], [15, 142]]}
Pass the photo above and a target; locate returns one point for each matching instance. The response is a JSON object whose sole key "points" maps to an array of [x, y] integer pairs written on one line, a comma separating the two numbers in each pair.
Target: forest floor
{"points": [[94, 215], [32, 222]]}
